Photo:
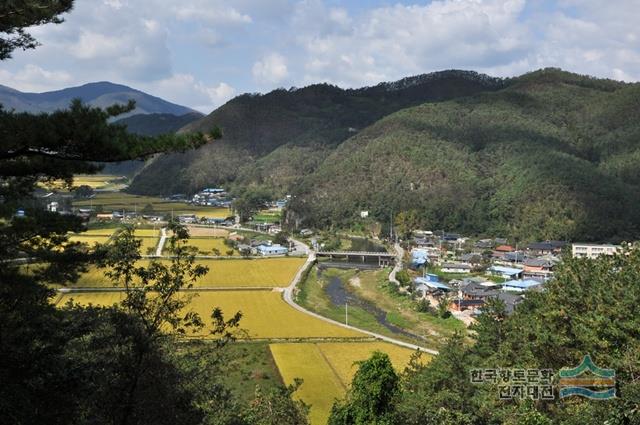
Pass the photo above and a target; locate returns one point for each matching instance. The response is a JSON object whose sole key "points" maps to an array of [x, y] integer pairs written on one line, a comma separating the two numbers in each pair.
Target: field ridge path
{"points": [[161, 242]]}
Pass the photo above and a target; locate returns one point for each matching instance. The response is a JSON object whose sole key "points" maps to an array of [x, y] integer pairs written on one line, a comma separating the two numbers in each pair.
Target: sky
{"points": [[201, 53]]}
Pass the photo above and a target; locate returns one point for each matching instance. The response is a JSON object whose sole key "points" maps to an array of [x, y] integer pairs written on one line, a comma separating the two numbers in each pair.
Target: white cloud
{"points": [[185, 89], [32, 78], [395, 41], [271, 69]]}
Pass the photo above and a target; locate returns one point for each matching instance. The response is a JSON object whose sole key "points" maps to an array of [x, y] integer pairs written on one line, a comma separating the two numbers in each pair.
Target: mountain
{"points": [[100, 94], [553, 155], [274, 139], [156, 124], [148, 125]]}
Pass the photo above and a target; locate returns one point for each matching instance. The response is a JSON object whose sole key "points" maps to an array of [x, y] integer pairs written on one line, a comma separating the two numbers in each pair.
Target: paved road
{"points": [[288, 297], [398, 265]]}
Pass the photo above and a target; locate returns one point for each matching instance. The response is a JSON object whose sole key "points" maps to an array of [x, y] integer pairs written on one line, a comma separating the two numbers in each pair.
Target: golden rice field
{"points": [[148, 237], [263, 272], [327, 369], [264, 313], [116, 201], [207, 245], [97, 181]]}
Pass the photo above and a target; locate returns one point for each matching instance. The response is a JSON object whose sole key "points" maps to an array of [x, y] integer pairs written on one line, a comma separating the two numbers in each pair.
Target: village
{"points": [[466, 273]]}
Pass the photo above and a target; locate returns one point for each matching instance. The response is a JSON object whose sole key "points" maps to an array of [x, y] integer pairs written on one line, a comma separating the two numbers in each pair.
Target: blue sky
{"points": [[201, 53]]}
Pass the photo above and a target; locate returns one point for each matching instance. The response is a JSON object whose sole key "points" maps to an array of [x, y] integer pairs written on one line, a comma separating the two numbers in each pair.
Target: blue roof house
{"points": [[429, 284], [505, 272], [520, 285]]}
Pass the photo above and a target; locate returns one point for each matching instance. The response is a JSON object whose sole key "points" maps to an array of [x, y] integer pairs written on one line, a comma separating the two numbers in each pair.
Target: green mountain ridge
{"points": [[273, 139], [546, 155]]}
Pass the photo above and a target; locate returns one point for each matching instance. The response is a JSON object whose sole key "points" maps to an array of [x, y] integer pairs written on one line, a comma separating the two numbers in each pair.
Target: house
{"points": [[423, 242], [246, 249], [104, 216], [272, 250], [451, 237], [471, 258], [588, 250], [520, 285], [476, 291], [484, 244], [538, 265], [456, 268], [460, 304], [546, 247], [187, 218], [479, 281], [510, 300], [215, 220], [430, 285], [505, 272], [514, 257]]}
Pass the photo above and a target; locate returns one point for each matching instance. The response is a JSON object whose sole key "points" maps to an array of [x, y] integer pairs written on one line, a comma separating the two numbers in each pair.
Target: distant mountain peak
{"points": [[100, 93]]}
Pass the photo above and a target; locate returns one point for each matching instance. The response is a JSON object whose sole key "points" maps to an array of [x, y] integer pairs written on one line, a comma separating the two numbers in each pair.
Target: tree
{"points": [[16, 16], [406, 222], [276, 406], [281, 238], [35, 149], [83, 191], [250, 202], [372, 396], [443, 307], [148, 209], [152, 296], [404, 278]]}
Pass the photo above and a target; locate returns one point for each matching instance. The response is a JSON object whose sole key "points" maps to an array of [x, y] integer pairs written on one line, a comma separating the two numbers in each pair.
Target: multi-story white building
{"points": [[590, 250]]}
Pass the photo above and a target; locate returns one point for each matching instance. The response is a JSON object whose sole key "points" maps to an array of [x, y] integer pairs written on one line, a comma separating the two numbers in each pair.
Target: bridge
{"points": [[384, 258]]}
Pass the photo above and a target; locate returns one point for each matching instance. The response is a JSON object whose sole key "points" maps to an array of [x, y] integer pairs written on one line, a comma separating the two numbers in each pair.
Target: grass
{"points": [[117, 201], [327, 369], [247, 365], [265, 315], [265, 273], [373, 287], [401, 311]]}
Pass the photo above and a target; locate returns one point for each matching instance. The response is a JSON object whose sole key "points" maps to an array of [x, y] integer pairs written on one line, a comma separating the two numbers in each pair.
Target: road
{"points": [[398, 265], [288, 297]]}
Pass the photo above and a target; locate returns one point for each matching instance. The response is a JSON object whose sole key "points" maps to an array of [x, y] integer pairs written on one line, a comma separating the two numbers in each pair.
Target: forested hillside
{"points": [[274, 139], [546, 155], [551, 156]]}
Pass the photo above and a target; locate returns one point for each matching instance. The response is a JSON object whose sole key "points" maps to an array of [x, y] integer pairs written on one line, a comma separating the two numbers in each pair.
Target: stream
{"points": [[339, 295]]}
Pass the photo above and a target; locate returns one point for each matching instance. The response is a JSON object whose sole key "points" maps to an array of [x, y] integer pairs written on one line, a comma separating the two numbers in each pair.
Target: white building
{"points": [[590, 250]]}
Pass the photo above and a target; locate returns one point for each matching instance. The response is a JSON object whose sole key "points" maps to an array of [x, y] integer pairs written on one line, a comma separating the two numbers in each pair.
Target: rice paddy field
{"points": [[207, 245], [327, 369], [241, 273], [100, 181], [148, 237], [264, 313], [118, 201]]}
